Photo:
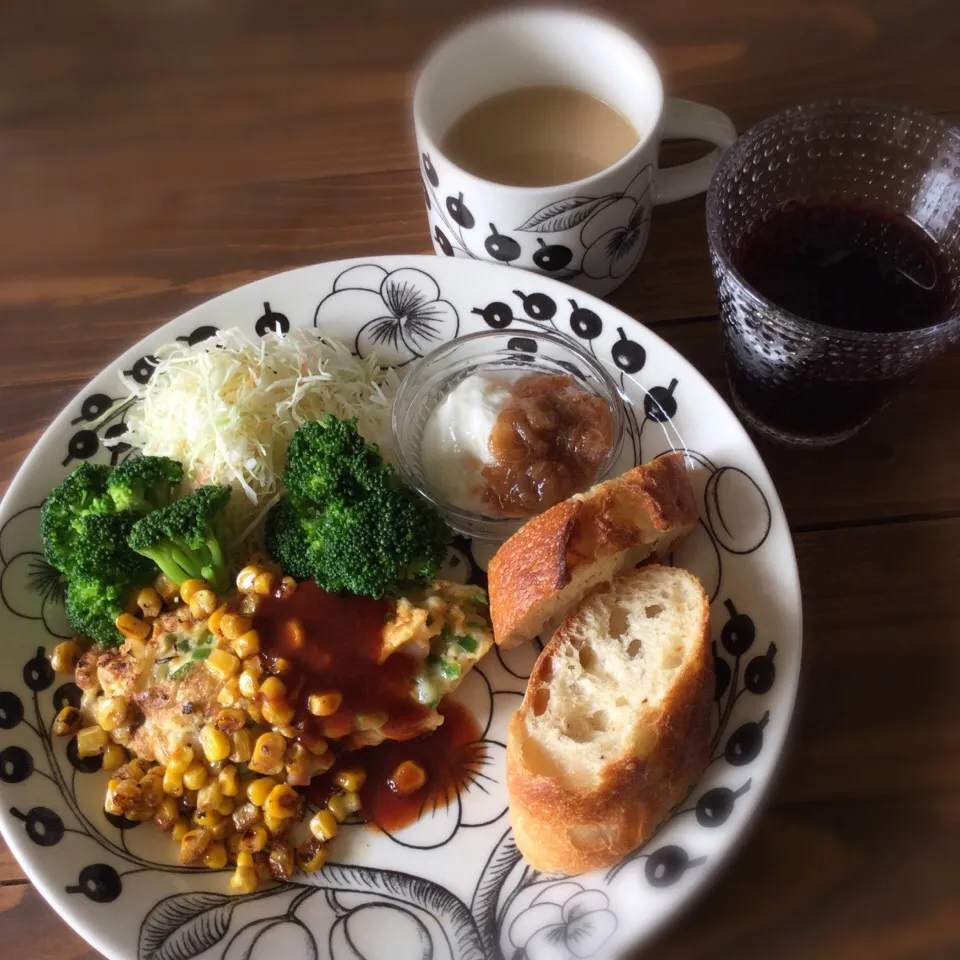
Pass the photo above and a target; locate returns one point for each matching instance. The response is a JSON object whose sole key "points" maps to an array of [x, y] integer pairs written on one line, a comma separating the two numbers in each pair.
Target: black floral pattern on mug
{"points": [[615, 236]]}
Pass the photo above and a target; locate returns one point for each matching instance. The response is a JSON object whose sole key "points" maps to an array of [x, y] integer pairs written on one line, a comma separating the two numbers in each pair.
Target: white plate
{"points": [[453, 884]]}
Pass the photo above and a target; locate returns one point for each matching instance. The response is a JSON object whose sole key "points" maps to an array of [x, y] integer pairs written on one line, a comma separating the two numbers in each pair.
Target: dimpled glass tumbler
{"points": [[803, 382]]}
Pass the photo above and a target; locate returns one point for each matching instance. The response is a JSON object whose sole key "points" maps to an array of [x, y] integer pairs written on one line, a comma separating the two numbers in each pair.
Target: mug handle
{"points": [[686, 120]]}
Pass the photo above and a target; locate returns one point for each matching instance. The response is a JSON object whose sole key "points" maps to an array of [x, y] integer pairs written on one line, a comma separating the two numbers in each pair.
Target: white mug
{"points": [[592, 232]]}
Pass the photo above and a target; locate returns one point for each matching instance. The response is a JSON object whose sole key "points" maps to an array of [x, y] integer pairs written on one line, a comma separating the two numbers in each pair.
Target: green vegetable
{"points": [[84, 537], [142, 484], [184, 538], [481, 598], [468, 643], [201, 653], [348, 522], [181, 671], [92, 608], [449, 669]]}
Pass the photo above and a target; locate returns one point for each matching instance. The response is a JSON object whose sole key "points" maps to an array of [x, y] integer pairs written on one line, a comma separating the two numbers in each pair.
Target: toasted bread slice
{"points": [[614, 728], [547, 566]]}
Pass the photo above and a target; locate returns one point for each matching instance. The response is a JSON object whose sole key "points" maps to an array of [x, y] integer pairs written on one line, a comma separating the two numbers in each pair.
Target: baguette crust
{"points": [[566, 827], [546, 567]]}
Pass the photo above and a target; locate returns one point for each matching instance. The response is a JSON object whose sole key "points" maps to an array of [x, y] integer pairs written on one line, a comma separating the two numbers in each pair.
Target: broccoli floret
{"points": [[80, 495], [85, 538], [184, 539], [361, 531], [92, 609], [142, 484], [101, 552], [328, 458]]}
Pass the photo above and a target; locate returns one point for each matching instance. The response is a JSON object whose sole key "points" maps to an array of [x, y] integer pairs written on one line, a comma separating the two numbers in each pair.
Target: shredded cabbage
{"points": [[227, 407]]}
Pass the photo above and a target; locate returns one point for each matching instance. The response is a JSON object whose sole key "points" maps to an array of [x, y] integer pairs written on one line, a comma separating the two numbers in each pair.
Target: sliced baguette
{"points": [[547, 566], [614, 727]]}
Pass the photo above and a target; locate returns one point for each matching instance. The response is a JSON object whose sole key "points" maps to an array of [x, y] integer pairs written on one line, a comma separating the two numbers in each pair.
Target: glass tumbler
{"points": [[798, 381]]}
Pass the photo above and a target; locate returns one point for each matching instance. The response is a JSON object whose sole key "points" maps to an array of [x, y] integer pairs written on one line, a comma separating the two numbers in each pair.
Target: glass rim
{"points": [[773, 311]]}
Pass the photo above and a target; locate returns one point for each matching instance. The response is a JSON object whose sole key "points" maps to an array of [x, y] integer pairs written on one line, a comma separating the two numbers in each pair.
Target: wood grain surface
{"points": [[155, 154]]}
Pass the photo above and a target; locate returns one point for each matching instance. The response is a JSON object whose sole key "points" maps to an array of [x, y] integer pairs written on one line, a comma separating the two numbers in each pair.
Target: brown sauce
{"points": [[336, 648], [449, 755], [548, 443]]}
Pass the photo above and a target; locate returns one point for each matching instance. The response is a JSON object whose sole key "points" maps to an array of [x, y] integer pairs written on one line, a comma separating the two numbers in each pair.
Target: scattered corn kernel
{"points": [[194, 844], [338, 807], [276, 825], [91, 741], [215, 743], [277, 713], [324, 825], [222, 664], [114, 756], [167, 815], [246, 578], [312, 855], [112, 712], [324, 704], [67, 722], [244, 880], [152, 789], [209, 796], [215, 856], [245, 815], [283, 801], [189, 587], [259, 790], [254, 664], [213, 621], [207, 819], [268, 754], [133, 628], [296, 635], [233, 625], [408, 778], [281, 860], [150, 602], [229, 693], [254, 838], [249, 604], [227, 806], [244, 859], [65, 656], [287, 588], [203, 603], [173, 782], [166, 587], [243, 744], [317, 747], [352, 780], [180, 829], [227, 781], [247, 644], [195, 776], [181, 759], [273, 688], [263, 583], [248, 684]]}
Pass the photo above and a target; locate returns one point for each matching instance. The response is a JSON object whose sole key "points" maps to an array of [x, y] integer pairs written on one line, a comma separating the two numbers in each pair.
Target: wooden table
{"points": [[155, 154]]}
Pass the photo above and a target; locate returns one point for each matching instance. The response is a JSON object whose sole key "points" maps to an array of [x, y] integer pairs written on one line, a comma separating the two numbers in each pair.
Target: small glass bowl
{"points": [[432, 377]]}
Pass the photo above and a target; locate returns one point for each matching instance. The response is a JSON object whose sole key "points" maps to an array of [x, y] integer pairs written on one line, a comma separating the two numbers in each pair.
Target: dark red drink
{"points": [[842, 265]]}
